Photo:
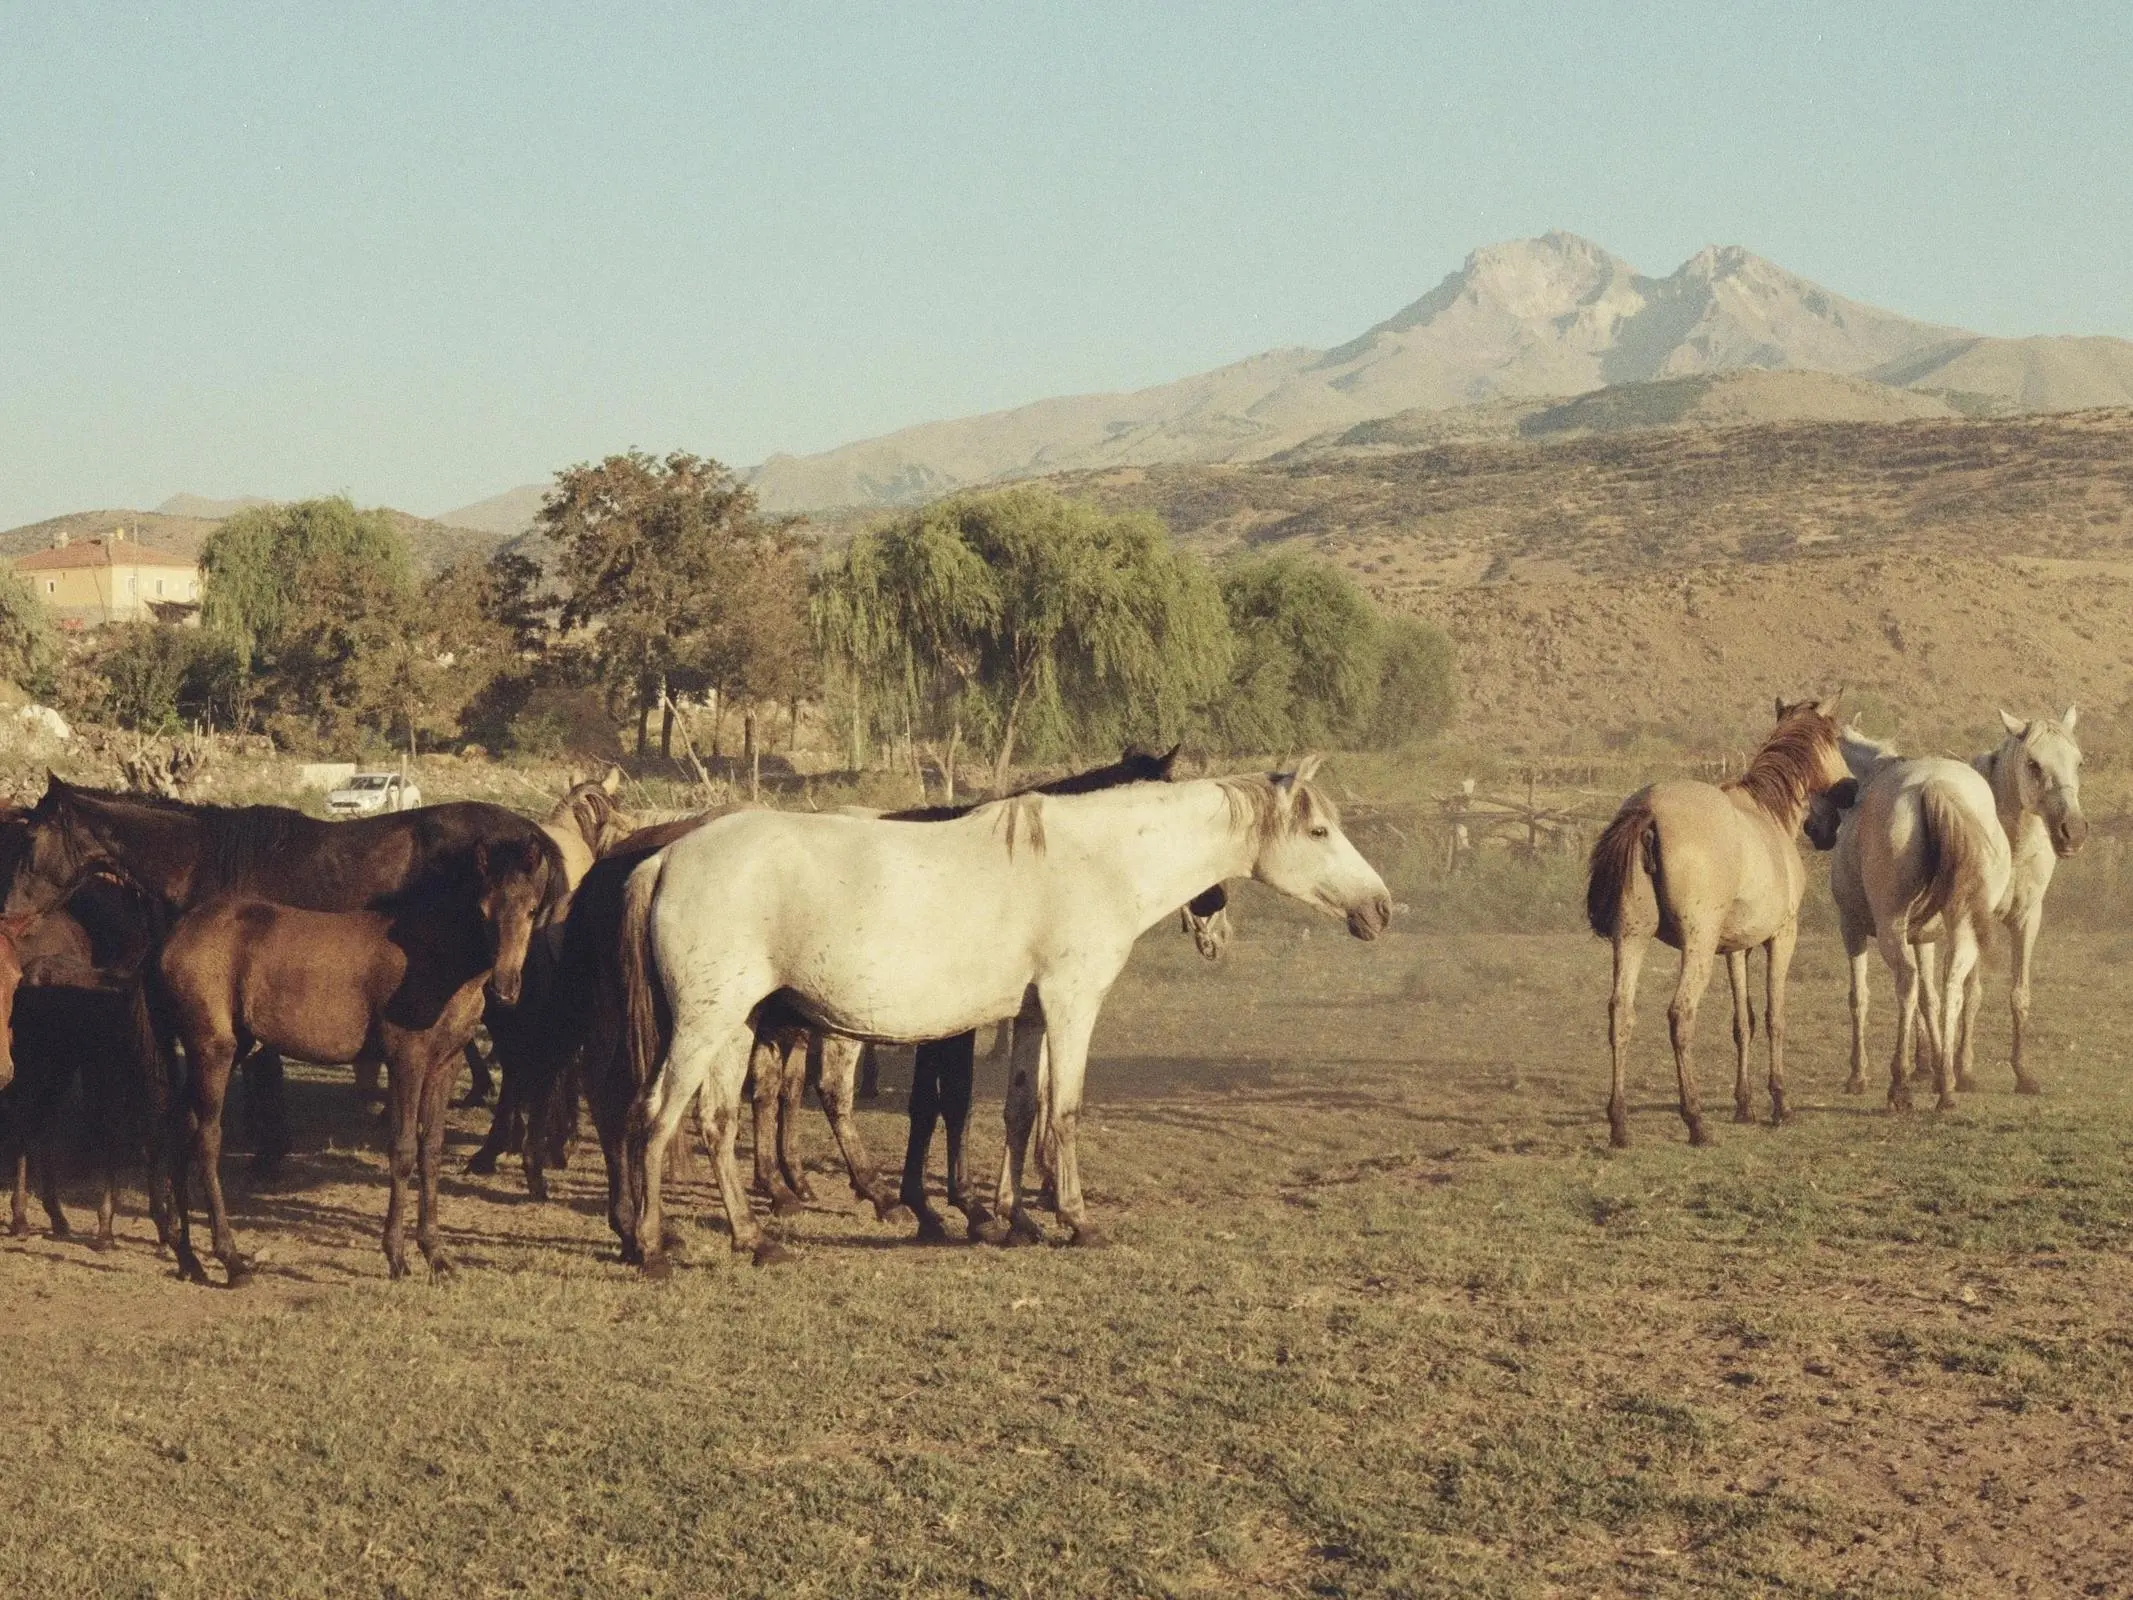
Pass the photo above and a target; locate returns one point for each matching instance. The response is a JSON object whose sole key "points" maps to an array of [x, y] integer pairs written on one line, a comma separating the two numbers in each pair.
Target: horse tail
{"points": [[1625, 854], [641, 1019], [1958, 885]]}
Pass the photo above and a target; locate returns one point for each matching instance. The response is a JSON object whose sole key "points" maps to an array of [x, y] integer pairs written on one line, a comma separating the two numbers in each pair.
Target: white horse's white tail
{"points": [[1959, 884]]}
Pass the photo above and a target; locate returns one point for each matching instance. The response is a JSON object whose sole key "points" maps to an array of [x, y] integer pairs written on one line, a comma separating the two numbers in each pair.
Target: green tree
{"points": [[1317, 665], [681, 583], [1025, 621], [159, 677], [29, 651]]}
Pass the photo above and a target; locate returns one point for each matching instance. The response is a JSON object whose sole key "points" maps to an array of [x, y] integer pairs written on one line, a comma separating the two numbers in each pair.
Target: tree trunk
{"points": [[644, 719], [666, 721], [955, 737], [751, 755]]}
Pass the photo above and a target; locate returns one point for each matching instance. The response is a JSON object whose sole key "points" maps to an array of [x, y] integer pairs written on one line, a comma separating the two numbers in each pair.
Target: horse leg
{"points": [[710, 1050], [838, 1066], [19, 1217], [1777, 971], [1901, 955], [1929, 997], [210, 1085], [1966, 1054], [403, 1091], [106, 1207], [266, 1110], [506, 1127], [1962, 957], [869, 1073], [771, 1060], [437, 1080], [1010, 1222], [480, 1085], [958, 1078], [1621, 1019], [1856, 1083], [924, 1111], [55, 1215], [2025, 947], [1069, 1019], [792, 1096], [366, 1077], [1737, 977], [1697, 952]]}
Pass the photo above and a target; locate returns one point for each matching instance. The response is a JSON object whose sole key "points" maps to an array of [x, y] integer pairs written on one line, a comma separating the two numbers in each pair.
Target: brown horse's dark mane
{"points": [[1787, 771]]}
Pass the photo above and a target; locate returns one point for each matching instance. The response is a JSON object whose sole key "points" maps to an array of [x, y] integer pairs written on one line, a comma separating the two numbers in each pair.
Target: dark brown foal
{"points": [[404, 986]]}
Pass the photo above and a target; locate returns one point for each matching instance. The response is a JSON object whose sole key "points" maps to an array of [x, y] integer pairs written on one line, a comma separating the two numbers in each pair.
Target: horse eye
{"points": [[1321, 831]]}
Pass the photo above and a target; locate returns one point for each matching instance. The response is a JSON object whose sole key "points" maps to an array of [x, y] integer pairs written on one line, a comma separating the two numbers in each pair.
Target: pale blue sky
{"points": [[422, 253]]}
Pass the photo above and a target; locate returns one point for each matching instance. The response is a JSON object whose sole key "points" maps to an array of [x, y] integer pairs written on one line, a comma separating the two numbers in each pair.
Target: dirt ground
{"points": [[1385, 1315]]}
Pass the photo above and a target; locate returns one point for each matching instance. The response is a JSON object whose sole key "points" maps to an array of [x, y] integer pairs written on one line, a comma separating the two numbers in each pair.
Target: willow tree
{"points": [[1025, 622]]}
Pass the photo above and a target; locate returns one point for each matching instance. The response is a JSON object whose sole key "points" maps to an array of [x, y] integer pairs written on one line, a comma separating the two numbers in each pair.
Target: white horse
{"points": [[2035, 775], [898, 933], [1920, 858]]}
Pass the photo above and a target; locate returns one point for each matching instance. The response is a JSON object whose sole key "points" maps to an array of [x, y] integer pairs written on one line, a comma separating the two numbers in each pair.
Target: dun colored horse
{"points": [[403, 985], [1711, 869]]}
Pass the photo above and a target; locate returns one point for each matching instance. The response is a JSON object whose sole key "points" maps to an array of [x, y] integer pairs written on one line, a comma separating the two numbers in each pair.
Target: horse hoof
{"points": [[1744, 1115], [103, 1242], [482, 1164], [804, 1189], [1855, 1086], [536, 1187], [1697, 1136], [396, 1269], [673, 1243], [1900, 1102], [992, 1231], [787, 1204], [1023, 1233], [893, 1213], [2028, 1086], [441, 1268], [931, 1231], [19, 1230], [657, 1268], [1087, 1236], [237, 1272], [770, 1253], [1945, 1103]]}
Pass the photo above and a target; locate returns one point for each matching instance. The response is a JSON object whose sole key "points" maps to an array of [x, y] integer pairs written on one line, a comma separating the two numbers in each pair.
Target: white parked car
{"points": [[369, 793]]}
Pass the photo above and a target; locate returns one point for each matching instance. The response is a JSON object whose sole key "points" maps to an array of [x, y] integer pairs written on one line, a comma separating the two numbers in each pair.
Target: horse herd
{"points": [[1925, 852], [150, 949]]}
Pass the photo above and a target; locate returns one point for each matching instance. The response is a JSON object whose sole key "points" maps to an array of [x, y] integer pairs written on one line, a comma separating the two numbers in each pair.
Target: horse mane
{"points": [[236, 841], [1135, 766], [1786, 772], [1254, 800], [590, 809]]}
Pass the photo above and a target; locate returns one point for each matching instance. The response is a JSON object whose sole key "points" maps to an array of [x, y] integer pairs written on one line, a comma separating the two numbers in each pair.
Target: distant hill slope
{"points": [[507, 515], [1535, 318], [206, 510], [434, 545], [1672, 579]]}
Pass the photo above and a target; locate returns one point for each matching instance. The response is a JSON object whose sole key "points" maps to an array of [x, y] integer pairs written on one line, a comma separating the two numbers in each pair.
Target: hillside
{"points": [[506, 515], [1674, 578], [434, 545], [1525, 321]]}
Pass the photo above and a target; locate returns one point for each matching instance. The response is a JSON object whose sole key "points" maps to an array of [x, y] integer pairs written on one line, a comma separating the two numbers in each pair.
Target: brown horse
{"points": [[1712, 869], [403, 985]]}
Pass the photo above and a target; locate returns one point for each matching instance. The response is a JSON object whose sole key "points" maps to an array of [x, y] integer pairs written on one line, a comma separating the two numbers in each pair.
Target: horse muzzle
{"points": [[504, 987], [1372, 918], [2069, 834]]}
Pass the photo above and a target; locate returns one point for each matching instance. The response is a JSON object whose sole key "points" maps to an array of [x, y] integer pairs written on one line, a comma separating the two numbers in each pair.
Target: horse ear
{"points": [[612, 782], [1781, 708], [2067, 721], [1307, 769], [2013, 724], [1168, 759], [1828, 708]]}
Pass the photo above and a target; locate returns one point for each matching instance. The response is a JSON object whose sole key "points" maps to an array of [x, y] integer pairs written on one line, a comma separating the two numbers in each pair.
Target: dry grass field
{"points": [[1385, 1316]]}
